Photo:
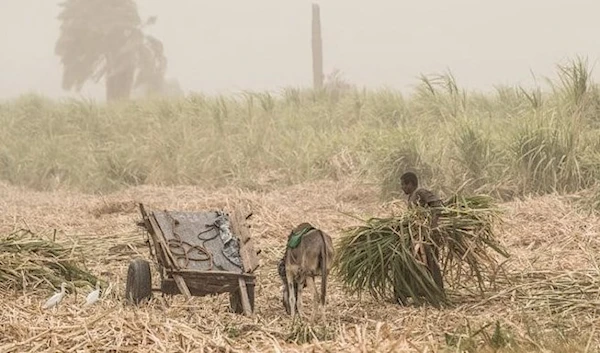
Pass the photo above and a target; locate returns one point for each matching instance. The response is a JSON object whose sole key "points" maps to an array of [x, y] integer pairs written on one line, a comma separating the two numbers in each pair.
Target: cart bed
{"points": [[197, 243], [200, 253]]}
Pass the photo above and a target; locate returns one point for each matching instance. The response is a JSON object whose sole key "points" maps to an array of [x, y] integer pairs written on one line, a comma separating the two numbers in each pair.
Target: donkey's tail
{"points": [[323, 268]]}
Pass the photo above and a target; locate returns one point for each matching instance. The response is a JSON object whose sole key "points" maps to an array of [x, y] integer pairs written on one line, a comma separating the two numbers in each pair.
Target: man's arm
{"points": [[428, 198]]}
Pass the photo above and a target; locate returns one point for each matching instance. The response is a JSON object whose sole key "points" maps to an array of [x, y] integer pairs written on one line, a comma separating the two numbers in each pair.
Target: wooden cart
{"points": [[197, 253]]}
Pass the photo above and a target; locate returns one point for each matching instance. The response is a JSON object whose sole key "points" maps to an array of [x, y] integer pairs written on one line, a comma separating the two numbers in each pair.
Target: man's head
{"points": [[409, 182]]}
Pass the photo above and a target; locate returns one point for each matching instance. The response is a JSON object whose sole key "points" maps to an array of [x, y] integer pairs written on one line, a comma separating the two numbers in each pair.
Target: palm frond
{"points": [[101, 37]]}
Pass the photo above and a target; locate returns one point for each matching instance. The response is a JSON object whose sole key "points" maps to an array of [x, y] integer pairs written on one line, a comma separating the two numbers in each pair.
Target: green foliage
{"points": [[474, 153], [28, 260], [504, 144], [574, 80], [548, 152], [440, 97], [379, 256]]}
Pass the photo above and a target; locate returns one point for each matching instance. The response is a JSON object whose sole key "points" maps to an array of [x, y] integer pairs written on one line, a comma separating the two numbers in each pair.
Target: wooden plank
{"points": [[244, 296], [158, 252], [238, 223], [160, 238], [187, 281], [183, 288], [248, 255], [241, 230], [208, 274], [168, 286]]}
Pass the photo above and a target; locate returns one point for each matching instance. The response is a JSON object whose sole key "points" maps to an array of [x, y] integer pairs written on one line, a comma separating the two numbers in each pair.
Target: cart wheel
{"points": [[139, 282], [235, 299]]}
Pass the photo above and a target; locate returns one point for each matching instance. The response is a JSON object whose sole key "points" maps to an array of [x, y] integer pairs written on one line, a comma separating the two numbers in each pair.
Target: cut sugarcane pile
{"points": [[30, 261], [382, 257]]}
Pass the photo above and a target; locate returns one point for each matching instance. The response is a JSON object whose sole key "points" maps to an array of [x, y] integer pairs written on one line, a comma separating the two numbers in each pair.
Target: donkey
{"points": [[305, 259]]}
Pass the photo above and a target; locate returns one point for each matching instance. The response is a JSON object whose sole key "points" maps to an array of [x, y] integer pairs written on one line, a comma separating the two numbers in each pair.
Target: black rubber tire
{"points": [[235, 300], [139, 281]]}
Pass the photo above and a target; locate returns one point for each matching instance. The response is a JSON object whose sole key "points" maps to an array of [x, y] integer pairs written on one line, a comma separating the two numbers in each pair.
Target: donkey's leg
{"points": [[310, 281], [318, 302], [300, 284], [291, 293]]}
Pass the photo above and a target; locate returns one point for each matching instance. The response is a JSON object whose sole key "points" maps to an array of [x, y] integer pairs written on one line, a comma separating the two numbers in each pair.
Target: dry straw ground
{"points": [[550, 303]]}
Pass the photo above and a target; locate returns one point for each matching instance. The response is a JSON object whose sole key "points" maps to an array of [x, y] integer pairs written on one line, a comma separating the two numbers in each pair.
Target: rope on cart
{"points": [[178, 244]]}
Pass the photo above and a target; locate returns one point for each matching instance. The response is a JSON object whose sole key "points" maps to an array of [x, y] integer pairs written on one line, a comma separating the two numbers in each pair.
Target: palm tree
{"points": [[105, 39]]}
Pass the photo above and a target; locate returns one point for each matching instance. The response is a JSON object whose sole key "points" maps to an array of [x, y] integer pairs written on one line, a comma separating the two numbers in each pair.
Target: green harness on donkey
{"points": [[295, 238]]}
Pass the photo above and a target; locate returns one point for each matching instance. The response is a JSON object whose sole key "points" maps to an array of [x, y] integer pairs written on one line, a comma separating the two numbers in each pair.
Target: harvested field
{"points": [[548, 302]]}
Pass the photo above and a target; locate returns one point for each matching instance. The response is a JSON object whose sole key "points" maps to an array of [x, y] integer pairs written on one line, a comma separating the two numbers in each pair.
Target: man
{"points": [[425, 198], [418, 196]]}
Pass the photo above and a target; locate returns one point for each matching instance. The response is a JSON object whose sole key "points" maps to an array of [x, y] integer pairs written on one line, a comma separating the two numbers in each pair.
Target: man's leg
{"points": [[433, 265]]}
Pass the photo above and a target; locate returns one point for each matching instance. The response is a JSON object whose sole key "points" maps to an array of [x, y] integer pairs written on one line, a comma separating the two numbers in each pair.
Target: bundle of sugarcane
{"points": [[27, 260], [466, 227], [391, 256]]}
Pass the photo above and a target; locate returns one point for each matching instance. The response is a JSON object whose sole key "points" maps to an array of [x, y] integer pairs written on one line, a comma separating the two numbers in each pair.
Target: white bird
{"points": [[56, 298], [93, 296]]}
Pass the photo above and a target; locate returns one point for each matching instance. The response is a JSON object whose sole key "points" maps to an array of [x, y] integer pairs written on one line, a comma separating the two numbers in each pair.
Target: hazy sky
{"points": [[229, 46]]}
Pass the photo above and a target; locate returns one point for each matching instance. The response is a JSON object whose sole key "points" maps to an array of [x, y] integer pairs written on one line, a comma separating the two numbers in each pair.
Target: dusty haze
{"points": [[228, 46]]}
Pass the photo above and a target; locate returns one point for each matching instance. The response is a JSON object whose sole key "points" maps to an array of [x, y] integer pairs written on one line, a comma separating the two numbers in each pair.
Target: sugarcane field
{"points": [[50, 237], [285, 176]]}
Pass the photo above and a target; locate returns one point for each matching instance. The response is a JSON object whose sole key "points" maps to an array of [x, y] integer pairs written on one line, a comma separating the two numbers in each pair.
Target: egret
{"points": [[56, 298], [93, 296]]}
